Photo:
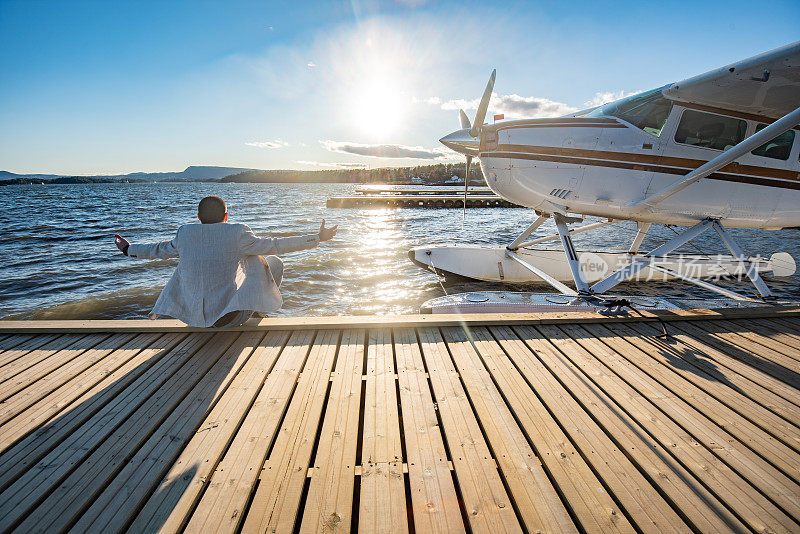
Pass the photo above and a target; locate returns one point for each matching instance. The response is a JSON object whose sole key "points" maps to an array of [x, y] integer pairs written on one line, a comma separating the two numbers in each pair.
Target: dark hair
{"points": [[211, 210]]}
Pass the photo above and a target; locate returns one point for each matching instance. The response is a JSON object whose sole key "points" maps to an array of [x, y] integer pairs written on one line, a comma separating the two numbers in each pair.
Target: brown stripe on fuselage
{"points": [[643, 167], [691, 164]]}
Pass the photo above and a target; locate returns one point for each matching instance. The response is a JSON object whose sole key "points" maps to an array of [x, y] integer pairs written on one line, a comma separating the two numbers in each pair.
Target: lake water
{"points": [[58, 259]]}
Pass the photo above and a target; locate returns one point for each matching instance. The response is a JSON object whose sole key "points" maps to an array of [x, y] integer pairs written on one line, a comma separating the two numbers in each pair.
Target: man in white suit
{"points": [[222, 277]]}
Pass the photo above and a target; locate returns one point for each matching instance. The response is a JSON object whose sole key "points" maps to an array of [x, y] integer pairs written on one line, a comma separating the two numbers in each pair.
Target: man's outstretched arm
{"points": [[162, 250], [259, 246]]}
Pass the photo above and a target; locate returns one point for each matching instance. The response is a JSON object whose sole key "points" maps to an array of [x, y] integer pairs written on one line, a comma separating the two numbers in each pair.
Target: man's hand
{"points": [[326, 234], [122, 243]]}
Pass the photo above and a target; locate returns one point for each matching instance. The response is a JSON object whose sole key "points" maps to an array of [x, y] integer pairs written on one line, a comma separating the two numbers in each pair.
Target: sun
{"points": [[378, 107]]}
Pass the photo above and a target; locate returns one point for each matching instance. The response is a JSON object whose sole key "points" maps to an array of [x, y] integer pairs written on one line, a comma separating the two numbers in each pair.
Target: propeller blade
{"points": [[466, 188], [464, 120], [483, 106]]}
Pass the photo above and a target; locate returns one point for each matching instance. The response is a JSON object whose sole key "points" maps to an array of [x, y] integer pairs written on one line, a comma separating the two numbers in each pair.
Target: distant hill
{"points": [[192, 173], [5, 175]]}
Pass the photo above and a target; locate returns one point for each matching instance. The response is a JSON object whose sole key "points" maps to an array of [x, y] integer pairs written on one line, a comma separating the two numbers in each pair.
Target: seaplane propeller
{"points": [[467, 140]]}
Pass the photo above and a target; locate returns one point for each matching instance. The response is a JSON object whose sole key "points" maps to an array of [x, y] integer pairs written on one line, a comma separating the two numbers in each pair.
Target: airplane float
{"points": [[716, 151]]}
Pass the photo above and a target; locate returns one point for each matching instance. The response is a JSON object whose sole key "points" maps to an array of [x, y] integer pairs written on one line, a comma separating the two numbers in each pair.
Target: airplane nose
{"points": [[461, 141]]}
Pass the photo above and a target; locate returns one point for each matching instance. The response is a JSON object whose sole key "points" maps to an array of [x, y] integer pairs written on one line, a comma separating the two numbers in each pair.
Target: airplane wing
{"points": [[767, 85]]}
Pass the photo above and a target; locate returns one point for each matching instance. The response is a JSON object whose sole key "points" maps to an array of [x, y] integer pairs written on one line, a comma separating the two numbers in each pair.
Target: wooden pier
{"points": [[571, 422], [420, 198]]}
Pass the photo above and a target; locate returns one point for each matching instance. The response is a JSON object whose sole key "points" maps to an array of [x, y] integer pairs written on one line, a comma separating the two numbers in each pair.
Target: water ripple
{"points": [[58, 260]]}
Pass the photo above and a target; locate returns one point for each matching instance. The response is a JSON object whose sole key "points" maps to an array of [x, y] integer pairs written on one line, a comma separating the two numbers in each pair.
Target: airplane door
{"points": [[624, 170], [576, 174]]}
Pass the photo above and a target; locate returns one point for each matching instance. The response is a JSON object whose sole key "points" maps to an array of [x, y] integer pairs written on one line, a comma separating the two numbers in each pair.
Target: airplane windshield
{"points": [[647, 111]]}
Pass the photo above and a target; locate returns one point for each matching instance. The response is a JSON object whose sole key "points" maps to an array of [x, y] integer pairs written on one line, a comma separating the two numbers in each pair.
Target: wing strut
{"points": [[651, 260], [787, 122]]}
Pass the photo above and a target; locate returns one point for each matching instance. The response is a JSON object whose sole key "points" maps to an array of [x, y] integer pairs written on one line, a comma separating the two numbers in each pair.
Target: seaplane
{"points": [[716, 151]]}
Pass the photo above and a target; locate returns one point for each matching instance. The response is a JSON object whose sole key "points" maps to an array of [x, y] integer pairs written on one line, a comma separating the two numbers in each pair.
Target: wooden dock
{"points": [[419, 198], [485, 423]]}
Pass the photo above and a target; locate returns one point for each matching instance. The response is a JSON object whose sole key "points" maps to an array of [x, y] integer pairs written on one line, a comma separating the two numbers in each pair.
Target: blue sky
{"points": [[114, 87]]}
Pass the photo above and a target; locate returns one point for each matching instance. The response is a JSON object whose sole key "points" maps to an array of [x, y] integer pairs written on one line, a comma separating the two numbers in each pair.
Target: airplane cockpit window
{"points": [[647, 111], [709, 131], [778, 148]]}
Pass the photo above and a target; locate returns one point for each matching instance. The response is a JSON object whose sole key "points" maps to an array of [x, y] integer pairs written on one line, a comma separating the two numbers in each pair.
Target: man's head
{"points": [[212, 210]]}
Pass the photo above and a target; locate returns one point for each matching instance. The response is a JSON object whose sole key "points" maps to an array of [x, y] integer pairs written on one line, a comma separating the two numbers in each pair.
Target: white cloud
{"points": [[512, 106], [377, 150], [277, 143], [324, 164], [601, 98], [311, 65]]}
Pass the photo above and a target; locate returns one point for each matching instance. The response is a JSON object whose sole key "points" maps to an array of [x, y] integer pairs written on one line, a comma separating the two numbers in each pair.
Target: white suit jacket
{"points": [[218, 271]]}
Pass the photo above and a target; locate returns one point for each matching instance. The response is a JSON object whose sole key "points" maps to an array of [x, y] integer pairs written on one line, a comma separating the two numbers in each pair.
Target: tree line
{"points": [[430, 174]]}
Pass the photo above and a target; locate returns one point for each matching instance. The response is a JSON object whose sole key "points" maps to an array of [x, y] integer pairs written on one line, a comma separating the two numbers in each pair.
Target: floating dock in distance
{"points": [[419, 201], [424, 191], [570, 422], [477, 197]]}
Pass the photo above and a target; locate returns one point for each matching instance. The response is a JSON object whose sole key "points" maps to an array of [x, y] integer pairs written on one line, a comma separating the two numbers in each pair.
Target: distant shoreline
{"points": [[425, 175]]}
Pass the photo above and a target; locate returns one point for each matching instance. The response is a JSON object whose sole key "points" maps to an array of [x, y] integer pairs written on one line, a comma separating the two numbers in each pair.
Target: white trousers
{"points": [[274, 267]]}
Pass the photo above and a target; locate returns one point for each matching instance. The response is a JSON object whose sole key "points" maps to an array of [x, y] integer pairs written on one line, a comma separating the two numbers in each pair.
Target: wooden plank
{"points": [[745, 356], [595, 479], [169, 505], [721, 360], [434, 500], [382, 501], [147, 366], [761, 337], [113, 508], [775, 441], [788, 324], [222, 505], [487, 504], [34, 351], [718, 330], [15, 346], [89, 383], [535, 498], [21, 376], [765, 333], [124, 423], [329, 503], [20, 341], [125, 347], [361, 321], [277, 499], [775, 329], [725, 466], [86, 482], [697, 367], [699, 508], [731, 408]]}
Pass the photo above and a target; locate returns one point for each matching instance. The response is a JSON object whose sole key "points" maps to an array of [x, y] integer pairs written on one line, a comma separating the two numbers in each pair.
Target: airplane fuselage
{"points": [[597, 164]]}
